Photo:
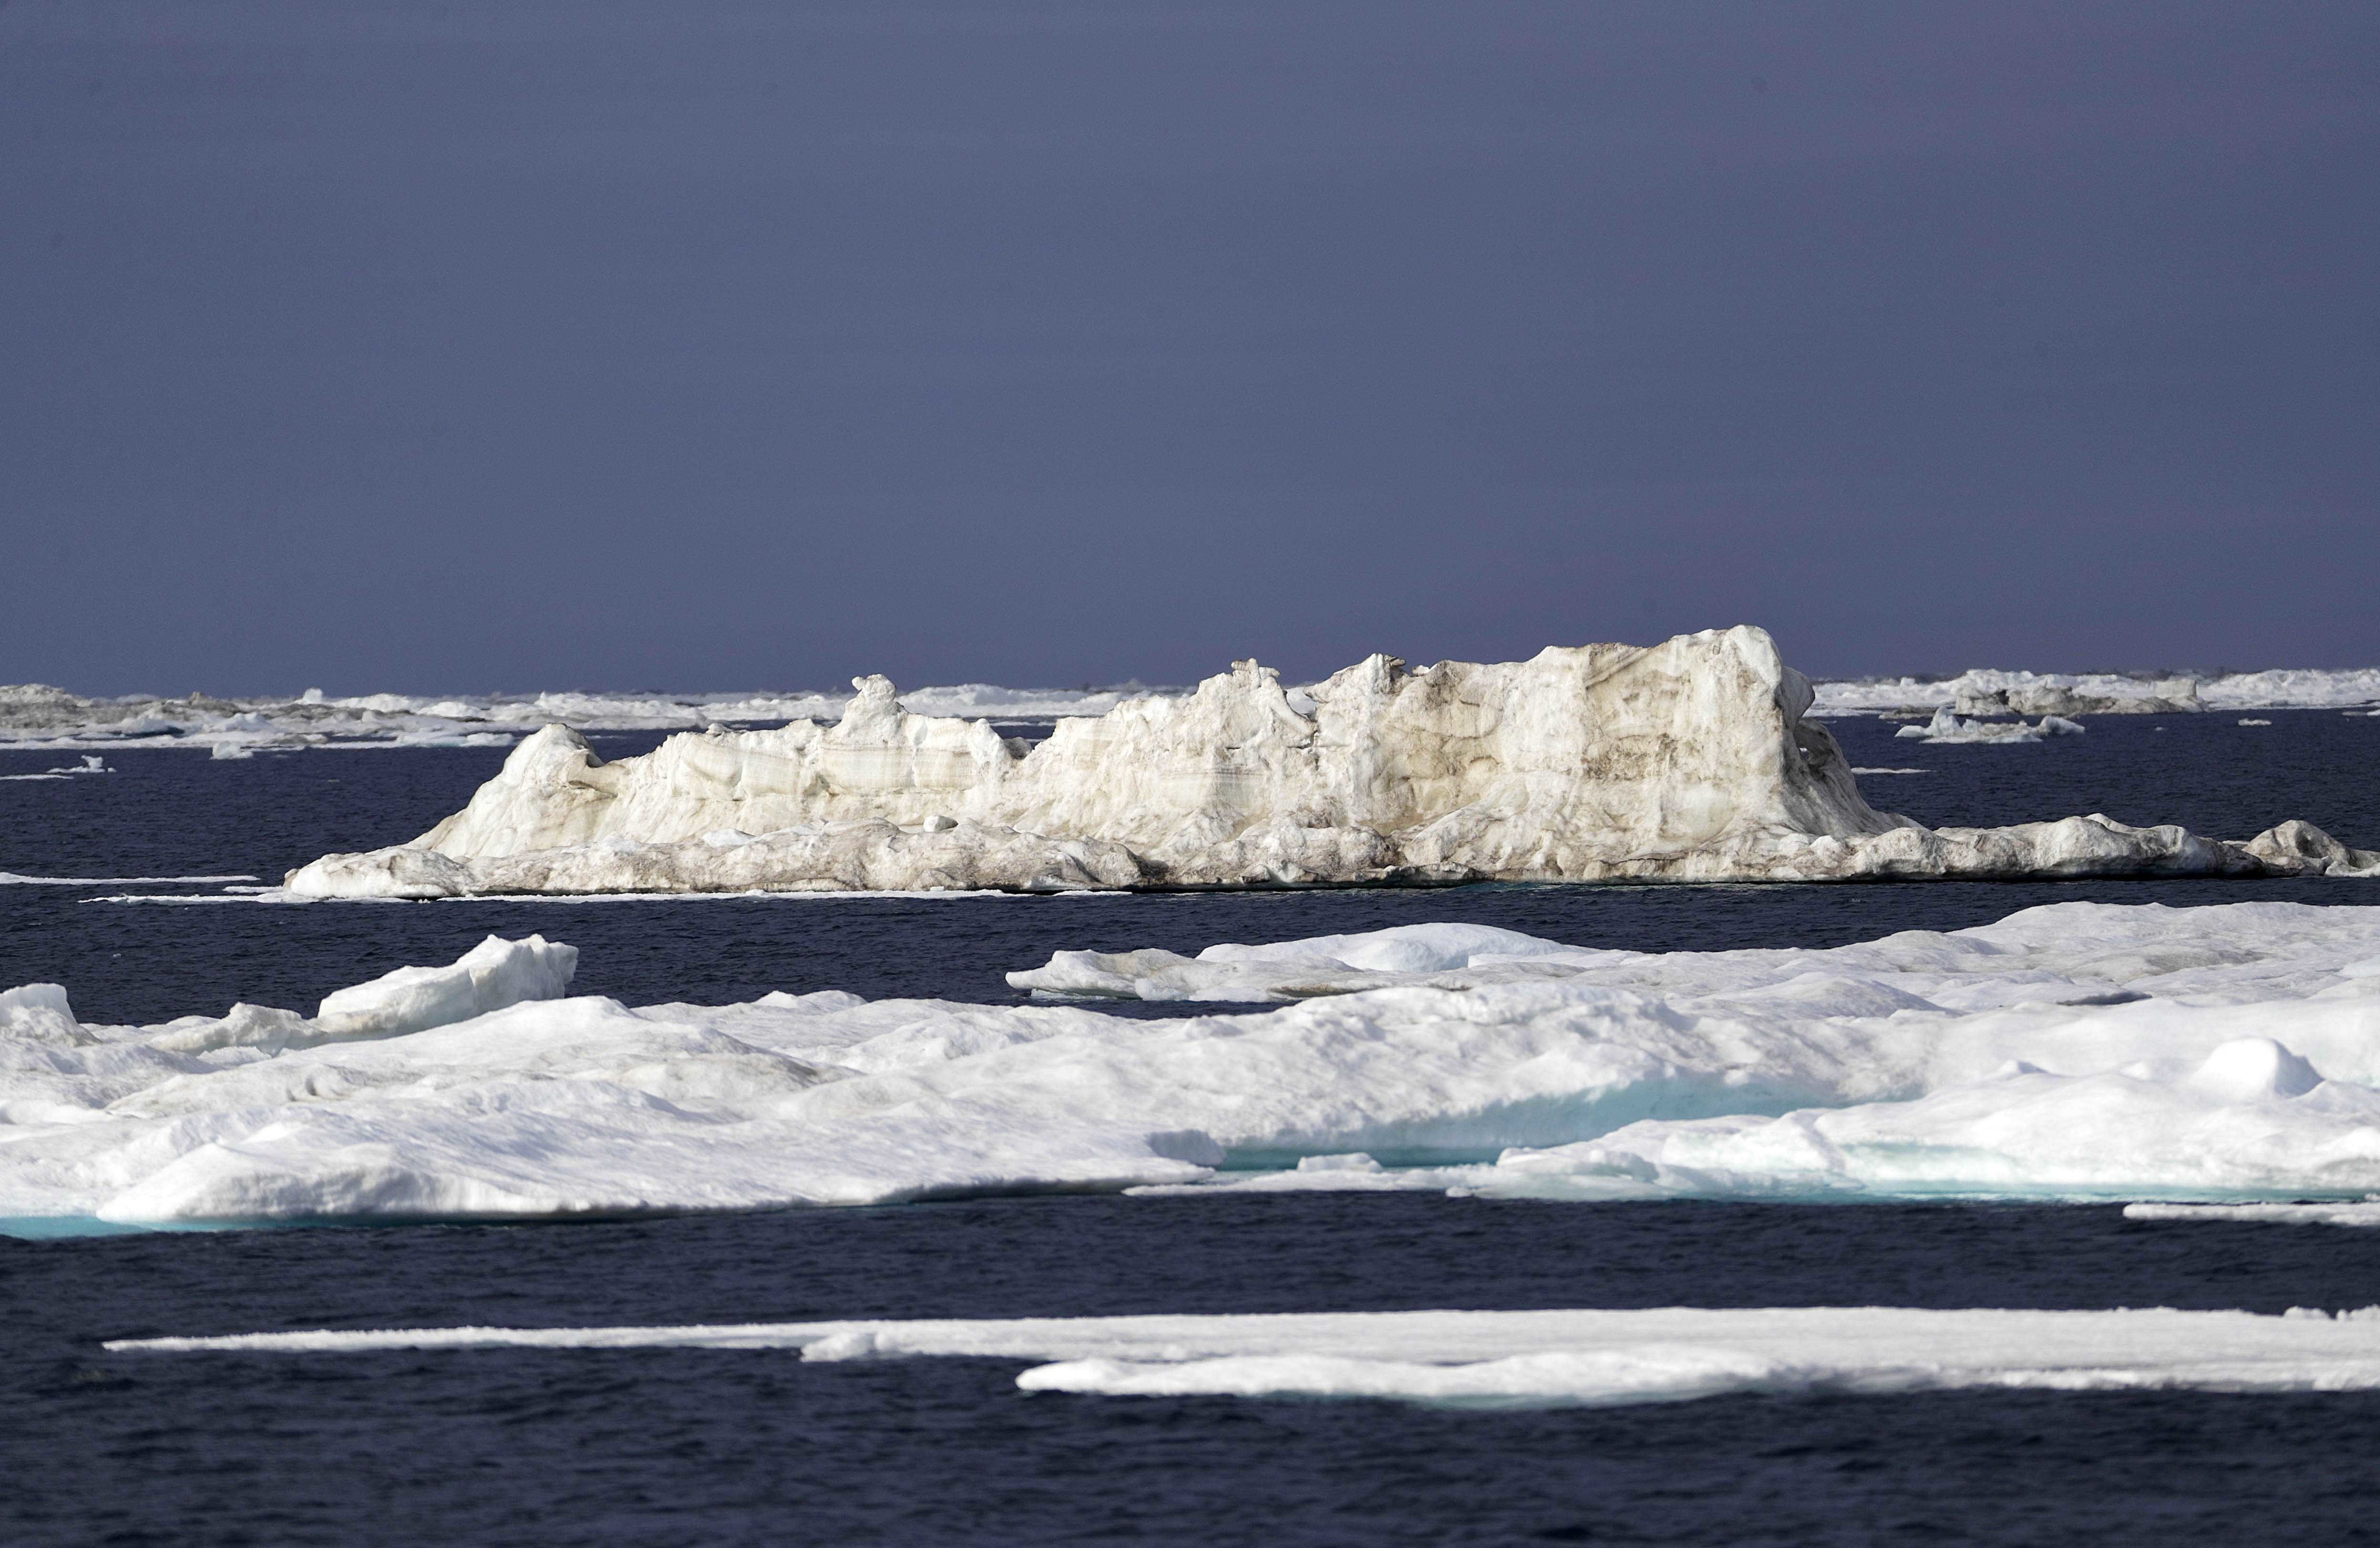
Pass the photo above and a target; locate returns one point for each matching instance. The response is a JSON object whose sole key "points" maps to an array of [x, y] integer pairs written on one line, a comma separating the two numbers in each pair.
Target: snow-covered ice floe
{"points": [[1692, 761], [1947, 727], [1522, 1359], [2222, 1055]]}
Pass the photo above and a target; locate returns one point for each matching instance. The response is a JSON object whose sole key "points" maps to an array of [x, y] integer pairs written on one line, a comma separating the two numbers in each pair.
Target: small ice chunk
{"points": [[1353, 1160], [492, 975], [2249, 1067]]}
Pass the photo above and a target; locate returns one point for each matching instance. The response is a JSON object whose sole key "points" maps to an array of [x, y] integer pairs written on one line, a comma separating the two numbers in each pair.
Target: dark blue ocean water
{"points": [[667, 1446]]}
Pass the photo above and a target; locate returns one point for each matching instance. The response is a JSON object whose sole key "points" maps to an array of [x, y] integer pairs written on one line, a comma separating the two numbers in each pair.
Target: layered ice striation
{"points": [[2224, 1054], [1692, 761], [1517, 1359]]}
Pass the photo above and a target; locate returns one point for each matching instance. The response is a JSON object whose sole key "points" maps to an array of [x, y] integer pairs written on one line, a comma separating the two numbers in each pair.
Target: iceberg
{"points": [[1503, 1360], [1947, 727], [2225, 1055], [1691, 761]]}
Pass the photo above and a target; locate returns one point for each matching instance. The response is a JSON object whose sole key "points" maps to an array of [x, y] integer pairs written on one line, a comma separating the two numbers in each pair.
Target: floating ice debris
{"points": [[1891, 770], [2226, 1055], [1518, 1358], [2255, 722], [1947, 727], [91, 766], [1691, 761]]}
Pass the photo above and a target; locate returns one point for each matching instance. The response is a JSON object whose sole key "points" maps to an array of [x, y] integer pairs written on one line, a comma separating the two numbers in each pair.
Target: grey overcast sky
{"points": [[685, 346]]}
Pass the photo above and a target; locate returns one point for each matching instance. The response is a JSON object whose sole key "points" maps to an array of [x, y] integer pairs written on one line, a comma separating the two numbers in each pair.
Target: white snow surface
{"points": [[2220, 1055], [1520, 1359], [1690, 760]]}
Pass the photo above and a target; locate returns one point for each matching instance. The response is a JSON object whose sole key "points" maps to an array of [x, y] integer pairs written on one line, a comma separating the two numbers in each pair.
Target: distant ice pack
{"points": [[2223, 1055], [35, 714]]}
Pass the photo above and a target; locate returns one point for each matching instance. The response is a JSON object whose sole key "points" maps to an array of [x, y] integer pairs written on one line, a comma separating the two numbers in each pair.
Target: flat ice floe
{"points": [[1524, 1359], [1692, 761], [2221, 1055]]}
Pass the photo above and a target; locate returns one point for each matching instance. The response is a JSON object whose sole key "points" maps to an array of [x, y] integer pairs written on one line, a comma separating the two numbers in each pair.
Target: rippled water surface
{"points": [[716, 1447]]}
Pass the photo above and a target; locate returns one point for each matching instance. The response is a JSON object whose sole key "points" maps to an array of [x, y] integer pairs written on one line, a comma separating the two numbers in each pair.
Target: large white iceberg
{"points": [[1692, 761], [2227, 1053]]}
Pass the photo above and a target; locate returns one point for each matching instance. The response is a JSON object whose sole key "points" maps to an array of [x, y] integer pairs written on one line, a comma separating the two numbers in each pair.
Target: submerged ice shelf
{"points": [[1693, 761], [2221, 1055]]}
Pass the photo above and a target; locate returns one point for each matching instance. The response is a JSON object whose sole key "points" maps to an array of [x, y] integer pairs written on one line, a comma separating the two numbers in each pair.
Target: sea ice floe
{"points": [[90, 765], [1945, 727], [1520, 1358], [1692, 761], [2363, 1213], [2226, 1054]]}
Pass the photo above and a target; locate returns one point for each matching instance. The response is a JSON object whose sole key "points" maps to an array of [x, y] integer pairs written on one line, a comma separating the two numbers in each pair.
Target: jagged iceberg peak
{"points": [[1695, 761]]}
